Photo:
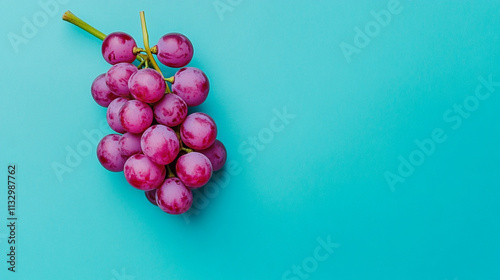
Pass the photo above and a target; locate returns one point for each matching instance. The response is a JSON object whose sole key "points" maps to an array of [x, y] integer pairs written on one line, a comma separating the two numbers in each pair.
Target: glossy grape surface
{"points": [[101, 92], [118, 47], [117, 78], [147, 85], [192, 85], [194, 169], [108, 153], [160, 144], [174, 50], [142, 173], [198, 131], [171, 110], [135, 116]]}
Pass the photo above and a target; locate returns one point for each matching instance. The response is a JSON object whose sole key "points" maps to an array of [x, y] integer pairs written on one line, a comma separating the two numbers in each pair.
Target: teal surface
{"points": [[363, 140]]}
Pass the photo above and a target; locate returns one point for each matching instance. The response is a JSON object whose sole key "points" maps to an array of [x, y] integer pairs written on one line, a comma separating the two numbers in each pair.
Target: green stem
{"points": [[138, 50], [154, 49], [187, 149], [70, 17], [170, 173], [170, 80], [141, 64], [146, 42], [145, 37]]}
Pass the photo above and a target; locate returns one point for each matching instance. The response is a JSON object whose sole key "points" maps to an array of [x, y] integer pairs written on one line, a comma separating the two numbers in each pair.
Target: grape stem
{"points": [[70, 17], [141, 64], [145, 37], [188, 150], [154, 49], [170, 173], [137, 50], [170, 80]]}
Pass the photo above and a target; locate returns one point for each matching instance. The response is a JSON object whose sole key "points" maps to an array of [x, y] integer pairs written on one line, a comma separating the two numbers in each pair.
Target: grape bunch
{"points": [[162, 149]]}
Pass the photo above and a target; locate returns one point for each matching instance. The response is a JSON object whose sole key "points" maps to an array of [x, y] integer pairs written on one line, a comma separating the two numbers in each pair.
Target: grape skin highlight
{"points": [[174, 197], [112, 114], [108, 153], [171, 110], [117, 78], [142, 173], [135, 116], [194, 169], [174, 50], [192, 85], [160, 144], [118, 47], [101, 92], [198, 131]]}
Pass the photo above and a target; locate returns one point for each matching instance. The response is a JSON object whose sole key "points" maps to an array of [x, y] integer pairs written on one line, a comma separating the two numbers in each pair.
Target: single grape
{"points": [[194, 169], [171, 110], [112, 114], [174, 50], [173, 197], [117, 77], [198, 131], [142, 173], [151, 196], [216, 153], [108, 153], [101, 92], [160, 144], [130, 144], [192, 85], [118, 47], [147, 85], [135, 116]]}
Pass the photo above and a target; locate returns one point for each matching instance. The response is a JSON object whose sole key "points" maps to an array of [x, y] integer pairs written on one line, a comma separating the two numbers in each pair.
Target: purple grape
{"points": [[174, 50], [192, 85], [194, 169], [160, 144], [142, 173], [118, 47], [216, 153], [151, 196], [135, 116], [198, 131], [117, 77], [171, 110], [130, 144], [112, 114], [147, 85], [108, 153], [173, 197], [101, 92]]}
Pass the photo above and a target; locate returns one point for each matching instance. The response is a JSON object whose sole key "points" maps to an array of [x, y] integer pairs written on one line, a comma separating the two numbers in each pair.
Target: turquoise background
{"points": [[321, 176]]}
